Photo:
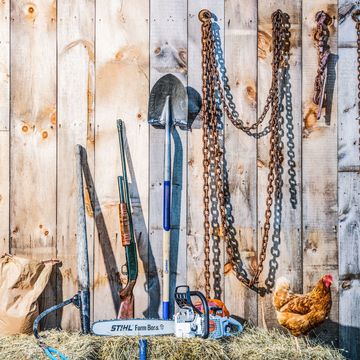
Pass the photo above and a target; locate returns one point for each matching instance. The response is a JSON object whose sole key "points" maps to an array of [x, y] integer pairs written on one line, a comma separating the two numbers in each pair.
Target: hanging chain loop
{"points": [[321, 37], [216, 98]]}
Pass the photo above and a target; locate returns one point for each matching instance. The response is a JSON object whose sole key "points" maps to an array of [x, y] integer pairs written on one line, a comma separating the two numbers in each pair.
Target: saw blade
{"points": [[133, 327]]}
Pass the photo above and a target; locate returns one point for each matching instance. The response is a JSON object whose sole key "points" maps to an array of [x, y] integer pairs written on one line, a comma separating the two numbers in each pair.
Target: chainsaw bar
{"points": [[133, 327]]}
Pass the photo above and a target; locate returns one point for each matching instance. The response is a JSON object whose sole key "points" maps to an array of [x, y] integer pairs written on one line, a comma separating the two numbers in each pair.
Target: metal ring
{"points": [[205, 15], [356, 15]]}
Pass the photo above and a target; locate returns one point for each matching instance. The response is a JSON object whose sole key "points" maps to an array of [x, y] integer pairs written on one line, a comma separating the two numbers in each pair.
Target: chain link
{"points": [[216, 95], [321, 37], [356, 18]]}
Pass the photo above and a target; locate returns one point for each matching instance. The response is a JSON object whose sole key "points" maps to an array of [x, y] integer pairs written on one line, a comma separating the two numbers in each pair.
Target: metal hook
{"points": [[205, 15], [356, 15]]}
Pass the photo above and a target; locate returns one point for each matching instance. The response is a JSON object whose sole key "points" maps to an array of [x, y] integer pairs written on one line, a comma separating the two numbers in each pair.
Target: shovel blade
{"points": [[168, 86]]}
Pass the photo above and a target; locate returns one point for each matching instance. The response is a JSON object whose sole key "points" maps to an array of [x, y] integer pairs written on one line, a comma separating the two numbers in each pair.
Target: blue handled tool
{"points": [[166, 117], [142, 349], [169, 107]]}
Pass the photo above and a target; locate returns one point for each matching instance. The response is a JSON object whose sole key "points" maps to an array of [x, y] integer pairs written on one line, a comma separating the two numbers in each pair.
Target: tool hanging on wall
{"points": [[356, 18], [82, 299], [126, 310], [167, 108], [321, 37], [216, 99]]}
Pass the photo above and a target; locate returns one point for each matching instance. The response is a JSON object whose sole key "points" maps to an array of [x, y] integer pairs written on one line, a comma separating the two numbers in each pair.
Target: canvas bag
{"points": [[21, 283]]}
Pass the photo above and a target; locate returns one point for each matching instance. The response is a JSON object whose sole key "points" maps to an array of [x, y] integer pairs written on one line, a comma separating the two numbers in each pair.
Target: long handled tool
{"points": [[166, 118], [126, 310], [168, 107], [82, 299], [82, 248]]}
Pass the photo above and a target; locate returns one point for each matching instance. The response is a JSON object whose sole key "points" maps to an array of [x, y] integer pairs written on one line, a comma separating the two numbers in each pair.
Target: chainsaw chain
{"points": [[216, 101]]}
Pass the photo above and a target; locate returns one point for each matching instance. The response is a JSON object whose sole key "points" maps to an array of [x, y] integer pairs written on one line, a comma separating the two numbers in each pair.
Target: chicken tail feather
{"points": [[281, 292]]}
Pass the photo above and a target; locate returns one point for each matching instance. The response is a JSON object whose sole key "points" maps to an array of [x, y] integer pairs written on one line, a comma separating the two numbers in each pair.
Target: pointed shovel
{"points": [[167, 108]]}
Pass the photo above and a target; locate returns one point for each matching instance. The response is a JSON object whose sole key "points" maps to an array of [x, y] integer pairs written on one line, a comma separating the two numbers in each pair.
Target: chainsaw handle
{"points": [[205, 306]]}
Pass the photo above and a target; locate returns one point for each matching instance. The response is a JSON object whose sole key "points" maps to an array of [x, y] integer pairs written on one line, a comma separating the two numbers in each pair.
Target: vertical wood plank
{"points": [[4, 123], [4, 64], [33, 134], [121, 92], [168, 54], [4, 192], [284, 248], [319, 158], [348, 128], [240, 149], [349, 185], [349, 262], [195, 238], [75, 123]]}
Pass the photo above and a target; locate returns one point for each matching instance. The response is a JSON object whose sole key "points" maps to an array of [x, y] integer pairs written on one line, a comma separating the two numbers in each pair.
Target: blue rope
{"points": [[54, 354]]}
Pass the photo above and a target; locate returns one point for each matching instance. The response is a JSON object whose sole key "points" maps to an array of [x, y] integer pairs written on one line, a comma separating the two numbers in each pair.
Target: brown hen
{"points": [[302, 313]]}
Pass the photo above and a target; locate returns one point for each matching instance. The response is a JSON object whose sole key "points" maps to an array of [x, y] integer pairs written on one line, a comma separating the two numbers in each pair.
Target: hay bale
{"points": [[252, 344], [73, 345], [163, 348], [260, 344]]}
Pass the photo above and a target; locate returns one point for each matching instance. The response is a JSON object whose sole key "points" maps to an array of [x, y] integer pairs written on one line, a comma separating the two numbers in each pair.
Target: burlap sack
{"points": [[21, 283]]}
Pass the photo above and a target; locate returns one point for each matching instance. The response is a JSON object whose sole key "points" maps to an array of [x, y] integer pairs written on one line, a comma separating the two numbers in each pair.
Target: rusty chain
{"points": [[216, 101], [321, 37], [356, 18]]}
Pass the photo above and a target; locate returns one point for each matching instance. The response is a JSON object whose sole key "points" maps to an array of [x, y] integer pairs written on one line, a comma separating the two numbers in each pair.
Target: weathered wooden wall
{"points": [[69, 69]]}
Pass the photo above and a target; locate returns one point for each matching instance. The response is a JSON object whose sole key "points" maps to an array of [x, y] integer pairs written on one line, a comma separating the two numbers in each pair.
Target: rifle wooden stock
{"points": [[126, 310]]}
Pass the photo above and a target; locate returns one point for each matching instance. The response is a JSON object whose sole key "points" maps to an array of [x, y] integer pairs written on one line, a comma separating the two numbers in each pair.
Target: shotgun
{"points": [[126, 310]]}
